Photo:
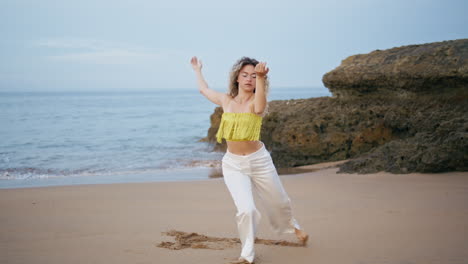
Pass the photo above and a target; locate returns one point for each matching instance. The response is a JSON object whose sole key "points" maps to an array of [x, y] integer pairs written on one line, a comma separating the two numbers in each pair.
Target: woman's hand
{"points": [[261, 69], [212, 95], [196, 64]]}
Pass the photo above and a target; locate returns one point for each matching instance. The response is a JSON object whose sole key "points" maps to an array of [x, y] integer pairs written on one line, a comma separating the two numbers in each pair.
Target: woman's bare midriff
{"points": [[243, 147]]}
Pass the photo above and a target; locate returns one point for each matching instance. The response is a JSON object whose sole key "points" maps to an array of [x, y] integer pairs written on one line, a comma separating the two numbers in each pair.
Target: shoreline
{"points": [[173, 175], [184, 174]]}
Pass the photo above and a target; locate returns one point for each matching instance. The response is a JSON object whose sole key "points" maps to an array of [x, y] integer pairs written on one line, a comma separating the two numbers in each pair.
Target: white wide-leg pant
{"points": [[256, 171]]}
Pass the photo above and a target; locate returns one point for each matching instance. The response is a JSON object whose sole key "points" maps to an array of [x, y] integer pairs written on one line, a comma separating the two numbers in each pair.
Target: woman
{"points": [[247, 164]]}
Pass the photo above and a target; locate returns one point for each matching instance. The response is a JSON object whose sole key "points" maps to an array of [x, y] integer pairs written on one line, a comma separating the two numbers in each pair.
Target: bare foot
{"points": [[241, 261], [302, 236]]}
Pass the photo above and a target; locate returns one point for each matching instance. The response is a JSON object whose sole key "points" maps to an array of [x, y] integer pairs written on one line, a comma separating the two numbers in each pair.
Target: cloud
{"points": [[91, 51], [111, 56], [73, 43]]}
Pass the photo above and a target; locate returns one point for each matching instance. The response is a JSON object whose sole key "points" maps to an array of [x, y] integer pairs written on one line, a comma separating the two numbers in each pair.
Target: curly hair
{"points": [[233, 88]]}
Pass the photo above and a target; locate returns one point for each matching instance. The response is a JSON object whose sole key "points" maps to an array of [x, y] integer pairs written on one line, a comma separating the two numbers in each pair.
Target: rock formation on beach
{"points": [[432, 68], [399, 110]]}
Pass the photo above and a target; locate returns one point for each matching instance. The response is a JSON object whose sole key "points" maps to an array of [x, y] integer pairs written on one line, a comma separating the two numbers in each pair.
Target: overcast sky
{"points": [[93, 45]]}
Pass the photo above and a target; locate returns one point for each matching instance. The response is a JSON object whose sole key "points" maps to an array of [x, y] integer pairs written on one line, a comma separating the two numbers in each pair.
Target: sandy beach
{"points": [[351, 218]]}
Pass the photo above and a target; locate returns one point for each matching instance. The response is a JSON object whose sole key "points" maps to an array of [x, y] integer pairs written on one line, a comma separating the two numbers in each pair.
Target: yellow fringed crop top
{"points": [[239, 127]]}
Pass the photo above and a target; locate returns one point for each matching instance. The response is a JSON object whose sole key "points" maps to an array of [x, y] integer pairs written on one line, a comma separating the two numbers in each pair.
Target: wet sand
{"points": [[351, 218]]}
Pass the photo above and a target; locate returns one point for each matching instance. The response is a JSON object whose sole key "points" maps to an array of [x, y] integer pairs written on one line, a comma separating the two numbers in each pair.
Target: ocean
{"points": [[66, 138]]}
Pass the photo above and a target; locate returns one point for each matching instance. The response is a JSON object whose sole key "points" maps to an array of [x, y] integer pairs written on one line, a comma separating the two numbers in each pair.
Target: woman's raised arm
{"points": [[260, 100], [212, 95]]}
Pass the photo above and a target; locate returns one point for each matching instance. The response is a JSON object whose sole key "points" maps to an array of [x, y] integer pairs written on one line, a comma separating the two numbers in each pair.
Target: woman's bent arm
{"points": [[212, 95], [260, 100]]}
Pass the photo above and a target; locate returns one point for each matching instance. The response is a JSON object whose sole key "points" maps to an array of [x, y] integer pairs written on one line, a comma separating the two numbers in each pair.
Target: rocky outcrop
{"points": [[413, 69], [427, 136], [375, 128]]}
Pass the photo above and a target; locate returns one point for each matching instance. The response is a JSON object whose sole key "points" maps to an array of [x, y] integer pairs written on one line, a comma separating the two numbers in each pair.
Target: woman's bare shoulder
{"points": [[227, 98]]}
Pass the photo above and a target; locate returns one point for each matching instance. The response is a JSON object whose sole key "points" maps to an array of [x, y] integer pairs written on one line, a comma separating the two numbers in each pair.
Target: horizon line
{"points": [[142, 90]]}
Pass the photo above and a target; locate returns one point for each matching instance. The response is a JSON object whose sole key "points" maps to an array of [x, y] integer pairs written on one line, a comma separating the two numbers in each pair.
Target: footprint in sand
{"points": [[198, 241]]}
